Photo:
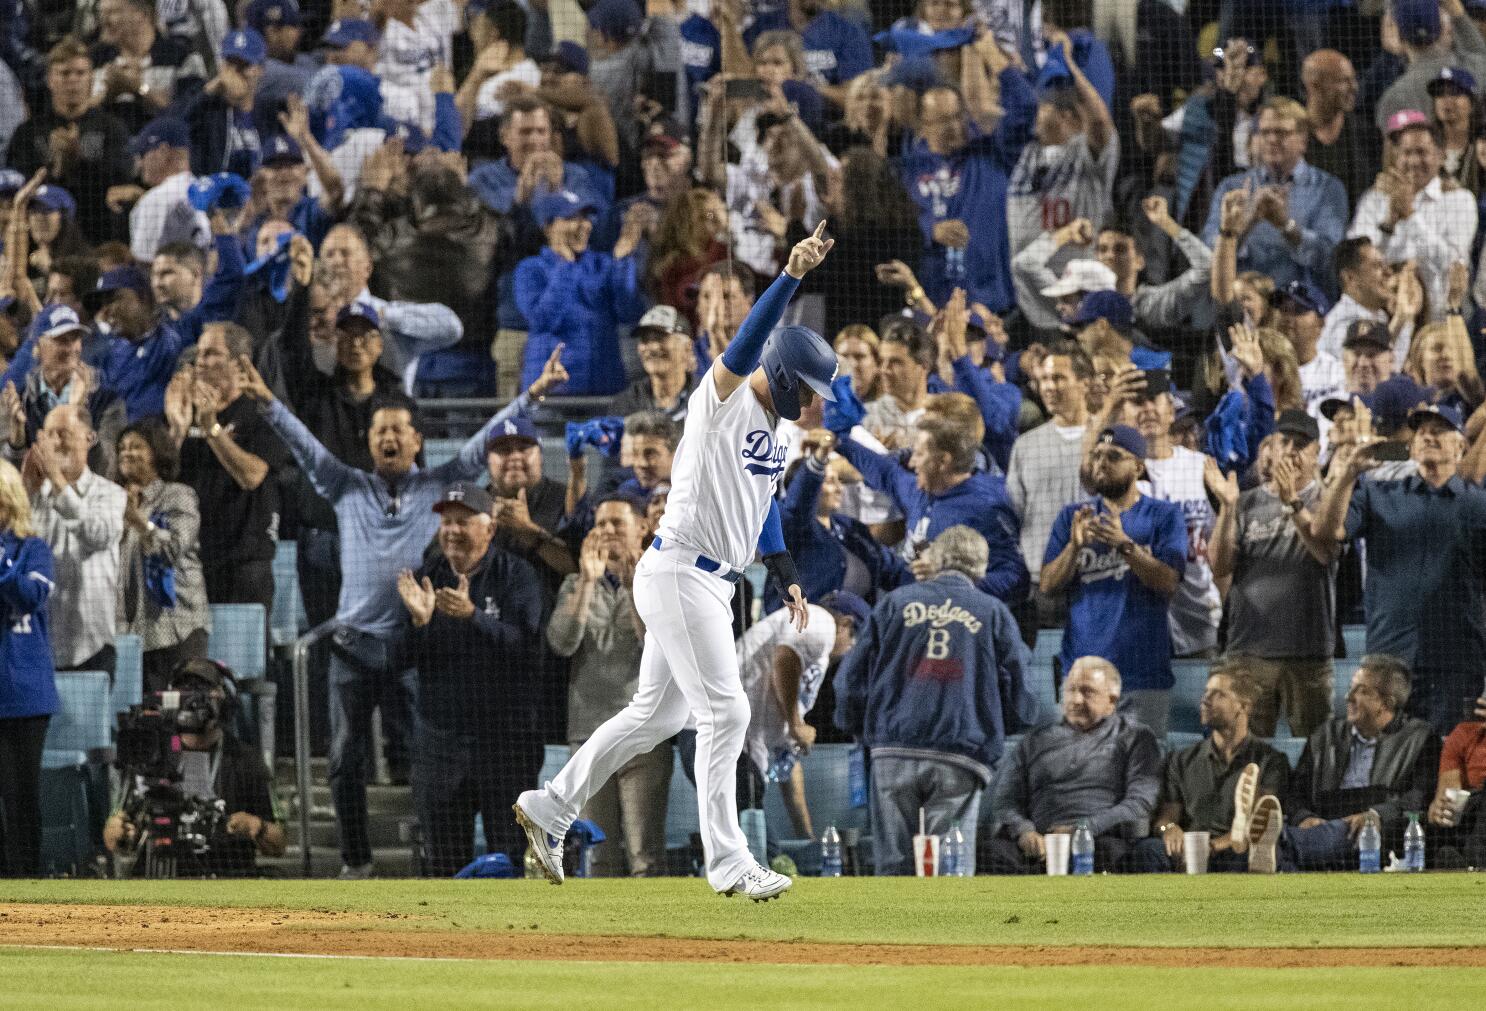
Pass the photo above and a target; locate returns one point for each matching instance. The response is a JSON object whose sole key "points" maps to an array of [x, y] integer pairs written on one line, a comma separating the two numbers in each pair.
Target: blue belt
{"points": [[706, 564]]}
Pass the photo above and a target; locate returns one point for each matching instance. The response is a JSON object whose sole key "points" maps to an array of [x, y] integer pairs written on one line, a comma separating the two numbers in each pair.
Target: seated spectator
{"points": [[81, 515], [1457, 828], [215, 766], [226, 124], [139, 71], [1199, 782], [663, 344], [576, 298], [937, 489], [832, 550], [1376, 761], [1094, 765], [392, 506], [229, 457], [28, 693], [82, 146], [1282, 599], [930, 647], [476, 748], [1301, 315], [596, 627], [1423, 573], [162, 593], [529, 506], [287, 71], [1296, 213], [162, 153], [1416, 214]]}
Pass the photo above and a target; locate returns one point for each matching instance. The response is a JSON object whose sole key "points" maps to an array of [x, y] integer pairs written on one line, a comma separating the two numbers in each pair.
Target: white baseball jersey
{"points": [[723, 476], [768, 729], [407, 56]]}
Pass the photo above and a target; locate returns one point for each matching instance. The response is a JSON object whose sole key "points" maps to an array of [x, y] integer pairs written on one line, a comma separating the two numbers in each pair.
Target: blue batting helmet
{"points": [[794, 355]]}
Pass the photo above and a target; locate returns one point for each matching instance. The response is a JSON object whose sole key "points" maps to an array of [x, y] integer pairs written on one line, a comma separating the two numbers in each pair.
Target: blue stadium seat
{"points": [[66, 846], [1040, 674], [288, 618], [1355, 636], [827, 794], [237, 639], [1290, 747], [83, 723], [1342, 682], [440, 451], [1191, 682], [128, 672], [1177, 740]]}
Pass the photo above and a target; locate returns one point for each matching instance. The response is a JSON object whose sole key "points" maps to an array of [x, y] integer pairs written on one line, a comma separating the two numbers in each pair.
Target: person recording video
{"points": [[213, 793]]}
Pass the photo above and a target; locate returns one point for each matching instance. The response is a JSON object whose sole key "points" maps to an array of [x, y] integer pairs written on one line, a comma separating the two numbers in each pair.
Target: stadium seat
{"points": [[1341, 682], [827, 794], [1186, 694], [288, 618], [82, 728], [237, 639], [1290, 747], [1041, 676], [440, 451], [65, 837], [128, 672], [1355, 637], [1177, 740]]}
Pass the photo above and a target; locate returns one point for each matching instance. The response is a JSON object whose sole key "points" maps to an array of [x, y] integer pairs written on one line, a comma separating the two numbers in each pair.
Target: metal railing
{"points": [[304, 784]]}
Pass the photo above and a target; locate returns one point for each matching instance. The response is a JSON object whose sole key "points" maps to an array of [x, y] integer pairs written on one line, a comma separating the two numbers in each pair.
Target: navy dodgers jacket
{"points": [[938, 673]]}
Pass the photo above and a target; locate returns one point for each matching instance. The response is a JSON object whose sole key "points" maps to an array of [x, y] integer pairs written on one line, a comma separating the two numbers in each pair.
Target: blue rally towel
{"points": [[1227, 437], [276, 265], [909, 42], [159, 575], [490, 865], [1055, 72]]}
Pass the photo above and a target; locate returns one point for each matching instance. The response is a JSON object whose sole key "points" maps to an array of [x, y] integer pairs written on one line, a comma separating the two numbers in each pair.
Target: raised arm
{"points": [[329, 476], [1098, 126]]}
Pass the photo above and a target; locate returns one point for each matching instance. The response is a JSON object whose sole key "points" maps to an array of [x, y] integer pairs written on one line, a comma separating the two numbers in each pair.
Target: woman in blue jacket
{"points": [[832, 551], [28, 695]]}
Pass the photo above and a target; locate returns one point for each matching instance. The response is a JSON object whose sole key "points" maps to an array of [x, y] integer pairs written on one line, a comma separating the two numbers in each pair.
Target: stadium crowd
{"points": [[1158, 321]]}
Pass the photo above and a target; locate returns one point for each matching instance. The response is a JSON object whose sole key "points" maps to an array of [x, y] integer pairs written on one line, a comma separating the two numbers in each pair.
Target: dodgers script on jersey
{"points": [[724, 474]]}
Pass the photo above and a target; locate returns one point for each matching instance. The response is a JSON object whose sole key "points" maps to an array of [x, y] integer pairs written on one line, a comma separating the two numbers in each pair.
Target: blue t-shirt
{"points": [[1111, 613]]}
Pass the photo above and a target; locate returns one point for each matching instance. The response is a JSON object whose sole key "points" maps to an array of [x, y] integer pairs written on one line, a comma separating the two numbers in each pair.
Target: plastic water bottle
{"points": [[1413, 844], [1081, 850], [830, 853], [953, 858], [783, 763], [1369, 847]]}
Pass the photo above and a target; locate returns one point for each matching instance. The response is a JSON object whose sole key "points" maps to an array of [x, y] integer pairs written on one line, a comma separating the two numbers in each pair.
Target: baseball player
{"points": [[721, 508]]}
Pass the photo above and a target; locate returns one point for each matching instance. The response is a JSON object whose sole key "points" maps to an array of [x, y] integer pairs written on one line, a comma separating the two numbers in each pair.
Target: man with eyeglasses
{"points": [[1120, 558], [1294, 213], [1282, 601]]}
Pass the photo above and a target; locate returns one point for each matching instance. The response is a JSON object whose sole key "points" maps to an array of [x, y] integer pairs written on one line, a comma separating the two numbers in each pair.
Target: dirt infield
{"points": [[327, 932]]}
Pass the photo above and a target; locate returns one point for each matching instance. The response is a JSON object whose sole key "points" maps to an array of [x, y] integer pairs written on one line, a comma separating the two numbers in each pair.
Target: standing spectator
{"points": [[908, 358], [82, 147], [1370, 293], [162, 150], [162, 593], [28, 691], [501, 64], [1180, 476], [225, 119], [1453, 95], [81, 515], [1462, 767], [836, 49], [1068, 173], [663, 344], [1094, 765], [390, 507], [1300, 312], [58, 377], [1374, 761], [1199, 783], [1441, 357], [723, 303], [139, 71], [1043, 476], [350, 42], [528, 506], [286, 71], [1414, 213], [1213, 129], [476, 745], [1296, 213], [1282, 599], [1424, 602], [932, 648], [142, 346], [229, 457], [1120, 559], [576, 298], [595, 625], [1343, 143], [635, 55], [690, 234], [416, 39]]}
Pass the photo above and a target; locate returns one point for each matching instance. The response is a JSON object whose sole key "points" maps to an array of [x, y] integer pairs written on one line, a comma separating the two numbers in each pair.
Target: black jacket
{"points": [[1403, 774]]}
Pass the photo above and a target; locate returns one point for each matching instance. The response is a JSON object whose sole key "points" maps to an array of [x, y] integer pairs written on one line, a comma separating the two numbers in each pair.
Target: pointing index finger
{"points": [[820, 229]]}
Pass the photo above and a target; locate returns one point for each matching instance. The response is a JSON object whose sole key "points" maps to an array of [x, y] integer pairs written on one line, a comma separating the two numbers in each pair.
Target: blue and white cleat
{"points": [[547, 848]]}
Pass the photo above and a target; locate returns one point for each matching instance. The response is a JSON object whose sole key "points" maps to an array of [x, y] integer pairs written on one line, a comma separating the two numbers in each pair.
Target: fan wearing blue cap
{"points": [[351, 42], [1120, 557], [1453, 95], [143, 345], [574, 296], [223, 117], [162, 152], [286, 70], [1301, 312]]}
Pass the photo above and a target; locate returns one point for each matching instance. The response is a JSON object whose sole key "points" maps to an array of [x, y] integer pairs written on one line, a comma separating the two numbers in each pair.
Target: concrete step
{"points": [[325, 862], [381, 831]]}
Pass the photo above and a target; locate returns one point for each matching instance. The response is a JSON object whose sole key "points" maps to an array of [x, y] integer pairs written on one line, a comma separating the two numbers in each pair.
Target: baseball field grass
{"points": [[1217, 941]]}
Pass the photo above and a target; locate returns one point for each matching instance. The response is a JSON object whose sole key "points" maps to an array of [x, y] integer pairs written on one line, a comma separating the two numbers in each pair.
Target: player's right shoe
{"points": [[1245, 796], [760, 884], [547, 847]]}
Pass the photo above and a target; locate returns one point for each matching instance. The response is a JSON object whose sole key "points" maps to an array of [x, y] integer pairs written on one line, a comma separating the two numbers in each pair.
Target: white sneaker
{"points": [[547, 847], [360, 872], [1264, 835], [760, 884], [1245, 796]]}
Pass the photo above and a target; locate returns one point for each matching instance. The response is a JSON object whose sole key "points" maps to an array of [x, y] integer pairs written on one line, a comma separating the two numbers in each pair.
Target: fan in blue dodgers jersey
{"points": [[720, 509]]}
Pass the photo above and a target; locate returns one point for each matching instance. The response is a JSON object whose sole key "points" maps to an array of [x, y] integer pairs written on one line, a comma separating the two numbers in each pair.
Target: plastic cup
{"points": [[1195, 848], [926, 856], [1058, 846], [1458, 799]]}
